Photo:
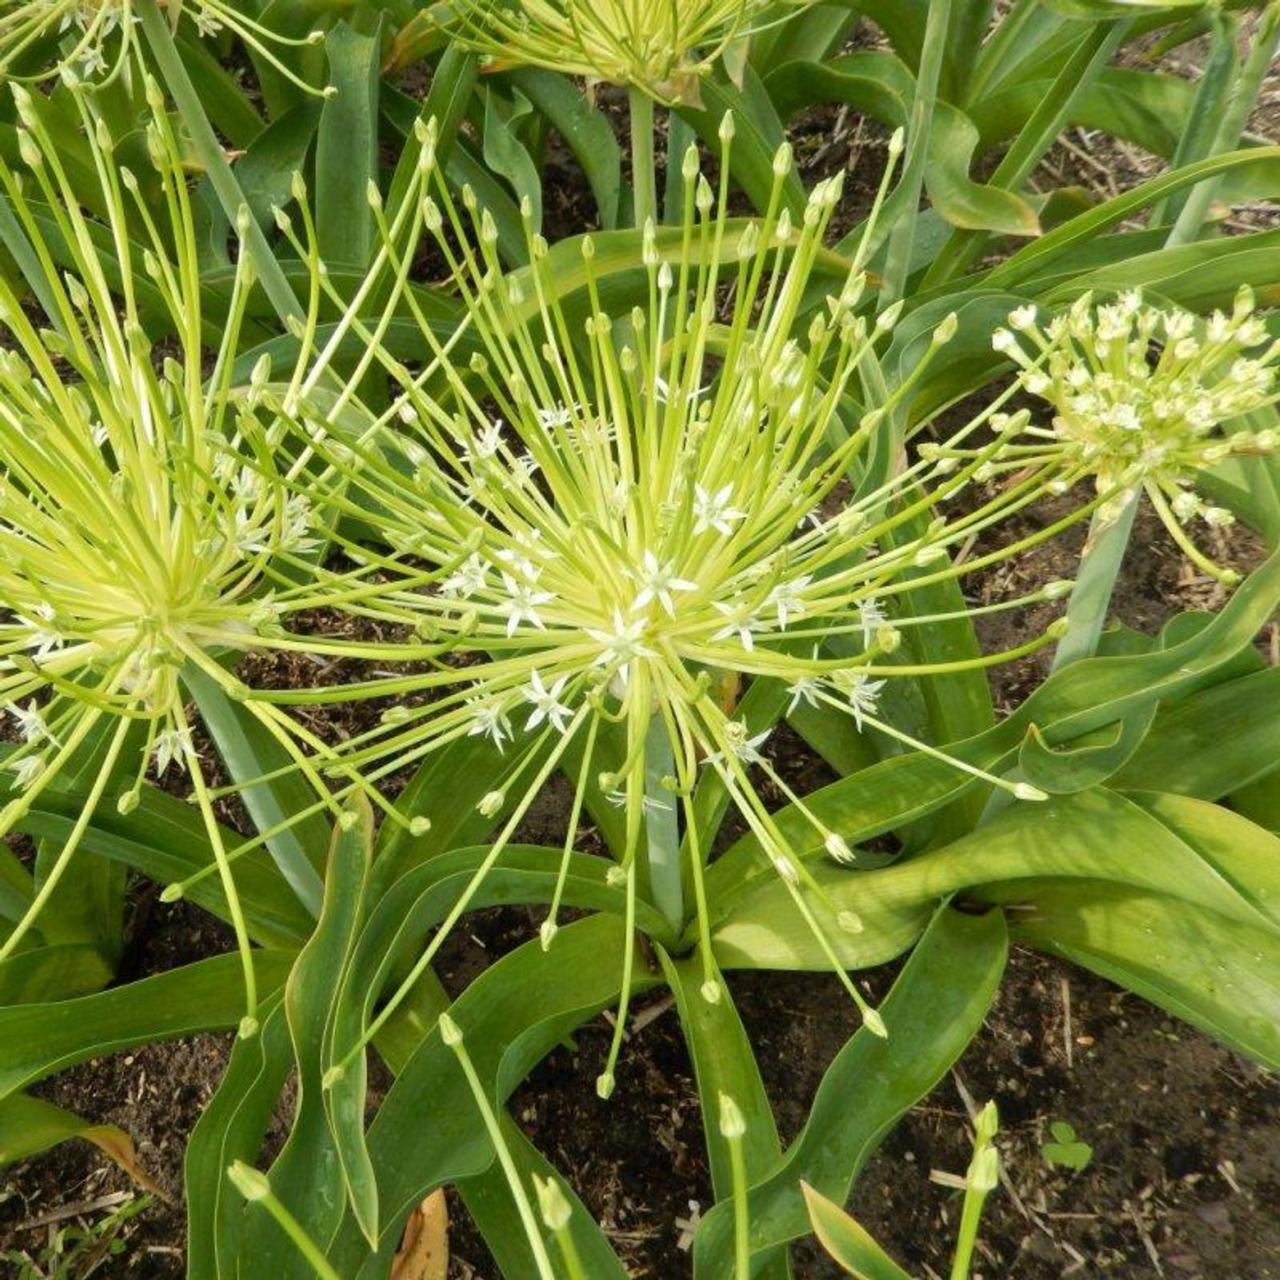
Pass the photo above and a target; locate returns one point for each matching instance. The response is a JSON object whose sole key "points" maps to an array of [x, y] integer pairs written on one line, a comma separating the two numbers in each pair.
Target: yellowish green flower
{"points": [[144, 522], [660, 46], [1146, 399], [621, 518]]}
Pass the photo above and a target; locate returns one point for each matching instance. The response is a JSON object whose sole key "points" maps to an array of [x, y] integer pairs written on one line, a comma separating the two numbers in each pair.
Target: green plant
{"points": [[855, 1250], [1066, 1151], [674, 398], [80, 1250]]}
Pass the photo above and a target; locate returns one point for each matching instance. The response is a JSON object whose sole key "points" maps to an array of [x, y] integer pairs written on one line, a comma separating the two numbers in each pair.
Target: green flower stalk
{"points": [[613, 516], [145, 528], [662, 47], [1143, 401], [97, 39]]}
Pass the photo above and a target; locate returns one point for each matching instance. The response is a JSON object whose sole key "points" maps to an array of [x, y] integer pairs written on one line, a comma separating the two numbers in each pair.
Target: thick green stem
{"points": [[642, 172], [662, 828], [211, 156], [1091, 596]]}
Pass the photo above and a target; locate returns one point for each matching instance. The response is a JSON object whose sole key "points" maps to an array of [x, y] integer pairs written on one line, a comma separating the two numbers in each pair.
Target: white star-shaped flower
{"points": [[714, 510], [522, 604], [489, 719], [870, 615], [623, 645], [485, 444], [25, 769], [468, 578], [31, 722], [546, 703], [170, 745], [657, 581], [788, 598], [742, 627], [863, 694]]}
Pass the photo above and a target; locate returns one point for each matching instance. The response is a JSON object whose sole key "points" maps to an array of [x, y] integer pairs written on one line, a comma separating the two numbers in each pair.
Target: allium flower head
{"points": [[143, 518], [700, 505], [660, 46], [1144, 398]]}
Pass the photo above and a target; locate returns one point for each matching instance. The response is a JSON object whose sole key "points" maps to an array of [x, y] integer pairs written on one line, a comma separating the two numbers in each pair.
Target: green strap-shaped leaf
{"points": [[1078, 699], [1217, 974], [347, 145], [232, 1127], [511, 1016], [724, 1063], [1035, 257], [1212, 743], [395, 934], [758, 134], [879, 85], [932, 1012], [848, 1241], [586, 132], [307, 1174], [165, 840], [38, 1040], [250, 752], [1096, 836], [29, 1126]]}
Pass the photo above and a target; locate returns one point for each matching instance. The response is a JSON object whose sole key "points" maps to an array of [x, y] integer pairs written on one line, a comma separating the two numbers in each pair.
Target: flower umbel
{"points": [[702, 511], [656, 45], [144, 522], [1143, 398]]}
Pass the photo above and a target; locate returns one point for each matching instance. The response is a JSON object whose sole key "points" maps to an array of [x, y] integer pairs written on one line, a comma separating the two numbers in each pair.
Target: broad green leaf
{"points": [[347, 146], [250, 752], [586, 132], [307, 1175], [505, 153], [1096, 836], [53, 973], [878, 84], [165, 840], [1078, 699], [724, 1063], [1218, 974], [1212, 743], [758, 134], [933, 1010], [29, 1126], [511, 1016], [232, 1127], [265, 171], [848, 1241], [1035, 257], [38, 1040]]}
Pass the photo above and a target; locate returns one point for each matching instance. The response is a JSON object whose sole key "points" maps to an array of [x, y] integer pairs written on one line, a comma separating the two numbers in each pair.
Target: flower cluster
{"points": [[615, 514], [95, 39], [146, 525], [661, 47], [1145, 398]]}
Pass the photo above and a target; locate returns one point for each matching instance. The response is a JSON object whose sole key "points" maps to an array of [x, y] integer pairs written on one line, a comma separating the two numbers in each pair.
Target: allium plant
{"points": [[621, 519], [659, 46], [143, 519], [1144, 400], [95, 39]]}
